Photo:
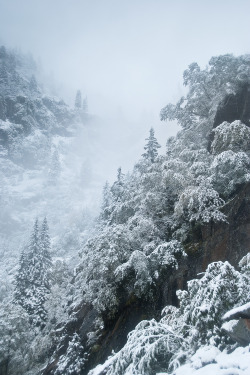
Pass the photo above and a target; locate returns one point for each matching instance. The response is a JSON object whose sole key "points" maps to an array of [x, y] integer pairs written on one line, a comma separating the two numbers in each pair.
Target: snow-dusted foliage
{"points": [[207, 299], [207, 87], [149, 349], [15, 338], [228, 170], [233, 136], [165, 345], [141, 270], [33, 280], [151, 147], [132, 239], [200, 203], [72, 363]]}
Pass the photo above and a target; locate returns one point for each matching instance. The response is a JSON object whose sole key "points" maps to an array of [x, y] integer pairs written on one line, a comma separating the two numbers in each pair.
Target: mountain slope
{"points": [[158, 227]]}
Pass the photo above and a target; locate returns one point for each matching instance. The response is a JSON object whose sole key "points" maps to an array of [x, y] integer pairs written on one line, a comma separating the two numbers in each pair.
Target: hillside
{"points": [[167, 257], [44, 171]]}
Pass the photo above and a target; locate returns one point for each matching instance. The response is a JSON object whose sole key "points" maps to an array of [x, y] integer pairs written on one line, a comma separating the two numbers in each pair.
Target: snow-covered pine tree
{"points": [[21, 279], [33, 251], [117, 187], [78, 100], [151, 147], [45, 248], [72, 363], [106, 202], [34, 275]]}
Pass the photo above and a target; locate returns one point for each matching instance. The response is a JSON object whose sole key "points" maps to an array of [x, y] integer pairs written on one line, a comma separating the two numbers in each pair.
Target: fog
{"points": [[126, 56]]}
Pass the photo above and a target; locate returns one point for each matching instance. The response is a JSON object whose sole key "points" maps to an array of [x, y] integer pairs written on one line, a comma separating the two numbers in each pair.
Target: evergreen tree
{"points": [[72, 363], [118, 186], [151, 147], [78, 100], [45, 248], [34, 275], [21, 278], [33, 254], [106, 202]]}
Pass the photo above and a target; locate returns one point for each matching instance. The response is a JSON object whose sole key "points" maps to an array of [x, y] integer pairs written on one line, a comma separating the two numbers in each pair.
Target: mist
{"points": [[126, 57]]}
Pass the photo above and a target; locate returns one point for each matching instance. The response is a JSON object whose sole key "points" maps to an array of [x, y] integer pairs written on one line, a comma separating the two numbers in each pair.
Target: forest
{"points": [[156, 278]]}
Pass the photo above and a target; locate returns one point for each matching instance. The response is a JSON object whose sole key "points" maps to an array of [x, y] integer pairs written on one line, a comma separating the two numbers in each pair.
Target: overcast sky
{"points": [[127, 56]]}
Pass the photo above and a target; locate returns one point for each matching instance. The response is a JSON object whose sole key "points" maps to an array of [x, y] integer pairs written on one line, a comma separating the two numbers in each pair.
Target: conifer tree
{"points": [[106, 202], [78, 100], [72, 363], [34, 275], [33, 254], [117, 187], [151, 147], [45, 248], [21, 278]]}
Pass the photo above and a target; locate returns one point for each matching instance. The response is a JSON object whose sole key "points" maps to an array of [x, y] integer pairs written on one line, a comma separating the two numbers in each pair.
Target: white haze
{"points": [[126, 56]]}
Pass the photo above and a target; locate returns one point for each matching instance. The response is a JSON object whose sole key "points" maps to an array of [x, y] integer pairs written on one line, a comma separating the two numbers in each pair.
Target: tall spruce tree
{"points": [[106, 202], [78, 100], [151, 147], [118, 186], [21, 279], [33, 279]]}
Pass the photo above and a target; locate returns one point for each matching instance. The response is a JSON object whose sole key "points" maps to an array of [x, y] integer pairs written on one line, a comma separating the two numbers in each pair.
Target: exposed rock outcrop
{"points": [[233, 107]]}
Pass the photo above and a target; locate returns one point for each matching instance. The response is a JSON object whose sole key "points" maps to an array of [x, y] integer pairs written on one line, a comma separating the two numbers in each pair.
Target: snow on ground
{"points": [[211, 361]]}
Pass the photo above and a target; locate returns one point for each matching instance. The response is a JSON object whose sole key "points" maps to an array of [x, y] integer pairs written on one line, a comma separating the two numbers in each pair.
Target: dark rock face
{"points": [[221, 241], [230, 241], [234, 107]]}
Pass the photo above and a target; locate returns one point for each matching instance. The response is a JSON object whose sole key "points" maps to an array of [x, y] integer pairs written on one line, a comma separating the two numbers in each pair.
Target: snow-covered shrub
{"points": [[166, 256], [148, 350], [164, 345], [141, 270], [206, 300], [72, 363], [176, 175], [233, 136], [136, 271], [200, 203], [16, 336], [100, 257], [228, 170]]}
